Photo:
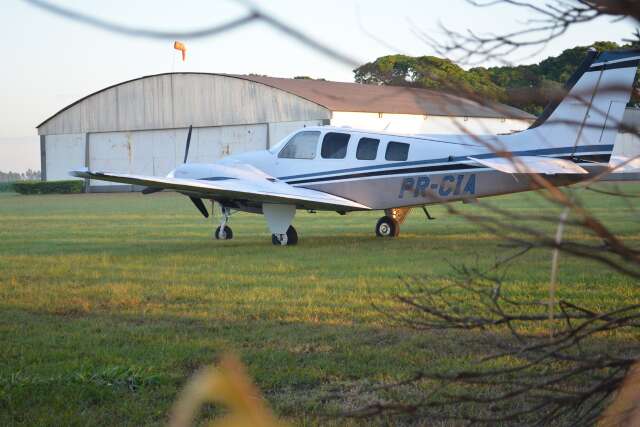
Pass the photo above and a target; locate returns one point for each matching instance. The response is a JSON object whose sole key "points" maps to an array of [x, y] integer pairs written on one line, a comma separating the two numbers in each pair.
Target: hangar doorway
{"points": [[157, 152]]}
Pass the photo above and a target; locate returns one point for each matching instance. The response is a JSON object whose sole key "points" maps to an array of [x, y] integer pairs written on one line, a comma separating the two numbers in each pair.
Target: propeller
{"points": [[186, 149], [196, 201], [200, 205]]}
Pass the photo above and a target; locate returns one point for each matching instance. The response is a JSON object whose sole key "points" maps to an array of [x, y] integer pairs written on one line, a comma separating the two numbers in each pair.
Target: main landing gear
{"points": [[389, 225], [224, 232], [289, 238], [278, 218]]}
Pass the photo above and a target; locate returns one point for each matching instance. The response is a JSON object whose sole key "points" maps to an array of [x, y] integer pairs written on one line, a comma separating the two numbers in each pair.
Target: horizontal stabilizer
{"points": [[626, 153], [531, 165], [625, 164]]}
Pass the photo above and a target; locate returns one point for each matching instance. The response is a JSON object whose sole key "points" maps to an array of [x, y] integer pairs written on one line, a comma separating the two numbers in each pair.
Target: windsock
{"points": [[182, 48]]}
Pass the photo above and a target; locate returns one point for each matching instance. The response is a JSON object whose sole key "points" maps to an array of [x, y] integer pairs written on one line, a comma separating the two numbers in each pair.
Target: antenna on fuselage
{"points": [[186, 149]]}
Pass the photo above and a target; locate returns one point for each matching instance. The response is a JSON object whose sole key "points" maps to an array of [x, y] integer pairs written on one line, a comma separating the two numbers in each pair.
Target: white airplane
{"points": [[343, 170]]}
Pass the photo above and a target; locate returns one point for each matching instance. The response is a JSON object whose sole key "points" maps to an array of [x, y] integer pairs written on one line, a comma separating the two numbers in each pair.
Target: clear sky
{"points": [[48, 62]]}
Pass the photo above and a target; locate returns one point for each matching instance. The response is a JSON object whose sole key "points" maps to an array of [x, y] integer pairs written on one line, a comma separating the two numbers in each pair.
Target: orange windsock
{"points": [[182, 48]]}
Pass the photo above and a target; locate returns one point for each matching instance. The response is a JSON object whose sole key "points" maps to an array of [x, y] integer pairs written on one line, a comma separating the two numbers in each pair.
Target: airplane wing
{"points": [[255, 189], [531, 165]]}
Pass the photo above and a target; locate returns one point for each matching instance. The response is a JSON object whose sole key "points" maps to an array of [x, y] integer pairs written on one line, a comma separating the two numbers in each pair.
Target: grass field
{"points": [[109, 302]]}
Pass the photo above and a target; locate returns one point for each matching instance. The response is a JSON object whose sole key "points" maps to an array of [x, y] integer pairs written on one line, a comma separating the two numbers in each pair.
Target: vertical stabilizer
{"points": [[591, 112]]}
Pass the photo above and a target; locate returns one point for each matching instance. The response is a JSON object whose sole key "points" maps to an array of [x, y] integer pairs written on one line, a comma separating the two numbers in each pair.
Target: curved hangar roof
{"points": [[175, 100], [355, 97]]}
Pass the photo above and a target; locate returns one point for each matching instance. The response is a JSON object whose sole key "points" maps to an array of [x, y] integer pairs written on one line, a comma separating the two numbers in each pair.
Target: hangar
{"points": [[140, 126]]}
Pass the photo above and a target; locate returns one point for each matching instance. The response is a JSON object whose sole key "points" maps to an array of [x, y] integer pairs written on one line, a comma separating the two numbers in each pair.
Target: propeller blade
{"points": [[151, 190], [186, 149], [200, 205]]}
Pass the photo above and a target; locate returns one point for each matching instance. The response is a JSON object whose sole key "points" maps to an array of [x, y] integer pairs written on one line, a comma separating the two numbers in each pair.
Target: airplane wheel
{"points": [[225, 234], [387, 227], [291, 238]]}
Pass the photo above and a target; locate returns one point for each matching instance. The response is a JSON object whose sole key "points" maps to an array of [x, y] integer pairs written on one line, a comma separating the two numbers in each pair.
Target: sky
{"points": [[49, 62]]}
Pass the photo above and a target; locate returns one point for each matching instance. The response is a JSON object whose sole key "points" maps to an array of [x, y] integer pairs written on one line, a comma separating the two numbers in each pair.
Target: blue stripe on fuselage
{"points": [[392, 165]]}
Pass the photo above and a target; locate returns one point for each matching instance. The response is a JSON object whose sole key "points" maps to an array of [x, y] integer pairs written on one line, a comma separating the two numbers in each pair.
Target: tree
{"points": [[308, 78], [528, 87], [427, 72], [17, 176]]}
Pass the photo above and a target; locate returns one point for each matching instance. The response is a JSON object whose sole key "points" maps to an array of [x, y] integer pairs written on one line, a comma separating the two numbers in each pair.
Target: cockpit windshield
{"points": [[302, 145]]}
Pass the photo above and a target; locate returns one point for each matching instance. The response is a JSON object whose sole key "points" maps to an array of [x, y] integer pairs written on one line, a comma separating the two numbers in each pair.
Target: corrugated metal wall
{"points": [[62, 154], [179, 100], [157, 152], [140, 126], [423, 124]]}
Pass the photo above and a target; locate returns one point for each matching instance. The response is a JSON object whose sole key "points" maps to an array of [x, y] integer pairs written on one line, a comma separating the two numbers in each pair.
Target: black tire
{"points": [[387, 227], [228, 234], [292, 237]]}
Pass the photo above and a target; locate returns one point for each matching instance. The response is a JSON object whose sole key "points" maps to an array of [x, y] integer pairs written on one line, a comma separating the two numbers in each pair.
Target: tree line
{"points": [[528, 87], [19, 176]]}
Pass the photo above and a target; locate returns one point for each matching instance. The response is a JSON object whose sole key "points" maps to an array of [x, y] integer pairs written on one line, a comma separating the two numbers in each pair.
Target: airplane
{"points": [[328, 168]]}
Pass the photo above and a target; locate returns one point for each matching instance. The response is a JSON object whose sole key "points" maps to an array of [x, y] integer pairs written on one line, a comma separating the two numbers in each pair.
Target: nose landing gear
{"points": [[224, 232]]}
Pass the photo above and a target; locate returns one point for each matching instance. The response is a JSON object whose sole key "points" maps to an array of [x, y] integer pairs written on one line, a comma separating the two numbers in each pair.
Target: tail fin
{"points": [[591, 112]]}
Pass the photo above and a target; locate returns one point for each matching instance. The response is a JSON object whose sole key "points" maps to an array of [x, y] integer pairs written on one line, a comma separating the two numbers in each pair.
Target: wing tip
{"points": [[80, 173]]}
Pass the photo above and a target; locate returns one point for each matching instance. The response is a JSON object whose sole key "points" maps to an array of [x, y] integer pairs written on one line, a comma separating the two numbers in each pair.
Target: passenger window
{"points": [[397, 151], [367, 149], [334, 145], [301, 146]]}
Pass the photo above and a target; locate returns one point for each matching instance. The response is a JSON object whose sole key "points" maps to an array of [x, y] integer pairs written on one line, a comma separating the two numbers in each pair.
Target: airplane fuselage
{"points": [[425, 170]]}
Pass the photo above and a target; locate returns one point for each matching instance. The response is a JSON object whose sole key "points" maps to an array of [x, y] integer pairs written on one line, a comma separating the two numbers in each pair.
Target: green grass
{"points": [[109, 302]]}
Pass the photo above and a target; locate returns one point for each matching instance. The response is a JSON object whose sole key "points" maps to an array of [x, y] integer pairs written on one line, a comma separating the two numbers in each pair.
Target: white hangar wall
{"points": [[141, 126], [156, 152], [63, 153], [427, 124]]}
